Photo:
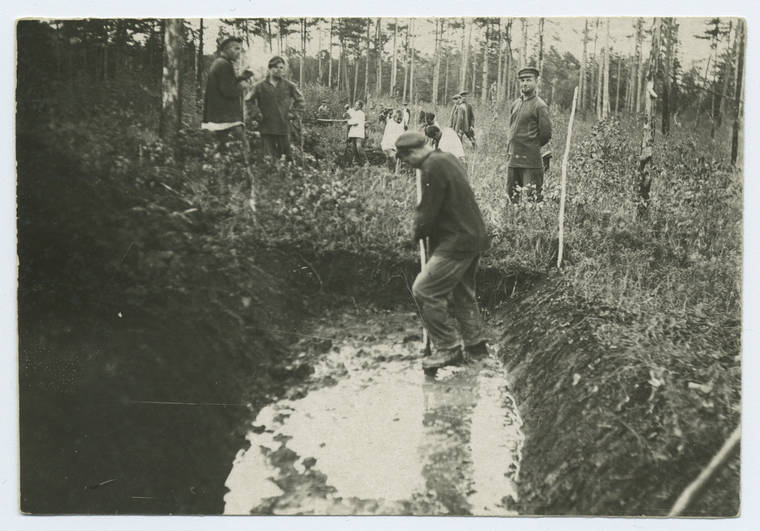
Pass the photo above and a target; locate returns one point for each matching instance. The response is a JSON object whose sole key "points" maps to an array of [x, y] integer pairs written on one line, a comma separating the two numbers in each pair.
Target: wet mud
{"points": [[368, 433]]}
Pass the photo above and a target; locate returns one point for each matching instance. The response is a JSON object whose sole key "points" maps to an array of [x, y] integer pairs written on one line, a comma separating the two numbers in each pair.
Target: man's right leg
{"points": [[270, 147], [431, 290], [466, 310], [513, 181]]}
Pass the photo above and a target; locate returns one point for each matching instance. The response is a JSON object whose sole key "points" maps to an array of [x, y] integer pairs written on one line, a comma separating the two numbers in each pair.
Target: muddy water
{"points": [[368, 433]]}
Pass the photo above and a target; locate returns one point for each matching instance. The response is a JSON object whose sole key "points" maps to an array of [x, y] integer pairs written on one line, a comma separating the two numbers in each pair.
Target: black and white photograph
{"points": [[485, 266]]}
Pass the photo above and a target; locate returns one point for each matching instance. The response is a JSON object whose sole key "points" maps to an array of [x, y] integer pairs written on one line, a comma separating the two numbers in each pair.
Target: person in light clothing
{"points": [[356, 134], [393, 129], [446, 140]]}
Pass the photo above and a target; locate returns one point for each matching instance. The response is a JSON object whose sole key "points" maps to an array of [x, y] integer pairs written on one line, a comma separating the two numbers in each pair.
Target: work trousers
{"points": [[276, 146], [236, 133], [530, 179], [390, 159], [445, 295], [355, 151]]}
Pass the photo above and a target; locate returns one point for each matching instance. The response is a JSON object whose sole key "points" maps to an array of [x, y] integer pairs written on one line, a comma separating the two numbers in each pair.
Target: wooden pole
{"points": [[423, 259], [690, 492], [563, 183]]}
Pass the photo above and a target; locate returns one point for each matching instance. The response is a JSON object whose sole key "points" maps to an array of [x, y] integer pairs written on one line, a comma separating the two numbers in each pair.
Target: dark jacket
{"points": [[448, 213], [275, 103], [470, 114], [222, 103], [461, 120], [529, 128]]}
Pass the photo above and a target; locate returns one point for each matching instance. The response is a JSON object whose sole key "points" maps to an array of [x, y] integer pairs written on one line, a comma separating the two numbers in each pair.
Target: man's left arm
{"points": [[429, 206], [544, 125], [299, 103]]}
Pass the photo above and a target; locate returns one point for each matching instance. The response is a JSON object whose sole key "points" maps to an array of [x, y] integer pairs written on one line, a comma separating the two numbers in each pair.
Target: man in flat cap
{"points": [[278, 101], [448, 216], [530, 128], [470, 132], [223, 103], [460, 121]]}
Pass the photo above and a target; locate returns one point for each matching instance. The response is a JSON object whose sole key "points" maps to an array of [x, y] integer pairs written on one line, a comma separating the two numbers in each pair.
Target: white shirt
{"points": [[356, 121], [393, 130], [450, 143]]}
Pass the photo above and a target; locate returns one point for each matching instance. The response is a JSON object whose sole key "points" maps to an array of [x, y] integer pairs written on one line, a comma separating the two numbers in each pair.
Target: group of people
{"points": [[447, 214], [277, 100]]}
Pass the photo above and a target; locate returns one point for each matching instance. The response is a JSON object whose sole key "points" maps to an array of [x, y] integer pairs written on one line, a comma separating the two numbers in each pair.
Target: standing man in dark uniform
{"points": [[278, 101], [450, 219], [470, 132], [223, 103], [530, 128]]}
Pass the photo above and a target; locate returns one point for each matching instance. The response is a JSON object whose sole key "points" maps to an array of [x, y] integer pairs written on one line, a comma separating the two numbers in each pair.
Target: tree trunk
{"points": [[366, 66], [484, 81], [499, 69], [668, 35], [199, 60], [474, 74], [540, 52], [171, 106], [606, 87], [446, 80], [524, 52], [379, 53], [508, 62], [406, 66], [356, 79], [617, 84], [411, 61], [600, 85], [726, 73], [303, 52], [464, 55], [594, 93], [436, 63], [394, 65], [582, 74], [329, 56], [739, 91], [647, 142]]}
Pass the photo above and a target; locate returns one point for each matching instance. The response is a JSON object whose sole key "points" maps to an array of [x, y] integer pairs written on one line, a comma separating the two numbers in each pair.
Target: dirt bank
{"points": [[615, 421]]}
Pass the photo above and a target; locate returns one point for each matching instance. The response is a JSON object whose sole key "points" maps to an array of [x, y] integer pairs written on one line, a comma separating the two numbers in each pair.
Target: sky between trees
{"points": [[564, 33]]}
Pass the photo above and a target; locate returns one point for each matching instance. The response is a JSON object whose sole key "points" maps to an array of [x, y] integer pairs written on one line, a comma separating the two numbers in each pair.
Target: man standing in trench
{"points": [[449, 218], [278, 101], [530, 128]]}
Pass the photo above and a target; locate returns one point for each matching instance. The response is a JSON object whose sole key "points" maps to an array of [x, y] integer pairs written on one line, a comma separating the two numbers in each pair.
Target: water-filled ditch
{"points": [[368, 433]]}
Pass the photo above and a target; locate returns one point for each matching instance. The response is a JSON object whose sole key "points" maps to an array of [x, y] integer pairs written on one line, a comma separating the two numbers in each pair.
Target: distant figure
{"points": [[223, 101], [530, 128], [446, 140], [453, 116], [323, 111], [393, 129], [406, 116], [445, 290], [430, 119], [278, 101], [356, 134], [421, 120], [460, 118], [470, 132]]}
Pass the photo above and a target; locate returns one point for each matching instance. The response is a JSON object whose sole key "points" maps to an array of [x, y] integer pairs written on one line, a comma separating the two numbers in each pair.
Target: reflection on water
{"points": [[383, 439]]}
